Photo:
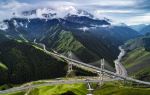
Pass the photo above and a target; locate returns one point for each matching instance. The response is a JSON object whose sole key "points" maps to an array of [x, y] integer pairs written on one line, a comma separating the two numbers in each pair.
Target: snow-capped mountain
{"points": [[50, 13], [55, 26], [67, 16]]}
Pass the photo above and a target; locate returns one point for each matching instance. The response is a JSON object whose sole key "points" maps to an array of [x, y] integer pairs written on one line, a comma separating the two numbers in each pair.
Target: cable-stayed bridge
{"points": [[97, 69], [72, 62]]}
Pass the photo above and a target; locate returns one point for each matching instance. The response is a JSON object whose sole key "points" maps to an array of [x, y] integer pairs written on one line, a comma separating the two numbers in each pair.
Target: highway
{"points": [[95, 69], [79, 64], [54, 82]]}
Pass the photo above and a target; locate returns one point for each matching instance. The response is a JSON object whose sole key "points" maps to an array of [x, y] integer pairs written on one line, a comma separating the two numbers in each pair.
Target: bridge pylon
{"points": [[70, 67], [101, 73], [70, 71]]}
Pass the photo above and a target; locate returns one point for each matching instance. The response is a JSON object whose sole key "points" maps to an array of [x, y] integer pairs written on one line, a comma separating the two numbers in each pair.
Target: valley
{"points": [[137, 59], [45, 51]]}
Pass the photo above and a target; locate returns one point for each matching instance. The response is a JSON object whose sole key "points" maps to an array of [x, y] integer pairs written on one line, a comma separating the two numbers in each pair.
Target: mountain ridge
{"points": [[94, 35]]}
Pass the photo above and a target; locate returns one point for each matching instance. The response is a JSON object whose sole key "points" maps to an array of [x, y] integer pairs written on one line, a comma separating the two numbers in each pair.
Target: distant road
{"points": [[120, 69]]}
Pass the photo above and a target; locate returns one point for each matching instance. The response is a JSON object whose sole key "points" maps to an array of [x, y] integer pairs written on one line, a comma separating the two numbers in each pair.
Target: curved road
{"points": [[120, 69]]}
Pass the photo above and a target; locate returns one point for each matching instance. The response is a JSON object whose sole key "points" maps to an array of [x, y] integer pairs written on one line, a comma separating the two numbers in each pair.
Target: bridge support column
{"points": [[28, 91], [70, 72], [90, 90], [101, 74], [69, 67]]}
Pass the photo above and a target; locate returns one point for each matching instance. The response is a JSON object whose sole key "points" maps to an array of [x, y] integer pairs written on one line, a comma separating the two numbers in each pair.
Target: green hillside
{"points": [[3, 67], [137, 58], [86, 48], [67, 42], [137, 63], [26, 63], [113, 88], [64, 41], [22, 62]]}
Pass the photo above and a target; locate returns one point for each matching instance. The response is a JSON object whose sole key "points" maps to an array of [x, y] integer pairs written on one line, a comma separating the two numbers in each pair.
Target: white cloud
{"points": [[113, 11], [114, 2], [64, 6], [8, 8], [145, 18], [105, 2], [13, 5]]}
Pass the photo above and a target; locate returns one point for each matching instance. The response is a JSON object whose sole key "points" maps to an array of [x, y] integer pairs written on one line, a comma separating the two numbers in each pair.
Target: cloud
{"points": [[7, 8], [114, 2], [128, 11], [13, 5], [113, 11], [145, 18], [143, 5]]}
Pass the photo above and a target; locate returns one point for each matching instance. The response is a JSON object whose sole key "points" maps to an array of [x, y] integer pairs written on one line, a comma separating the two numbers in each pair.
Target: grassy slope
{"points": [[112, 88], [138, 57], [65, 41], [135, 57], [22, 62], [3, 66], [77, 89], [137, 63], [28, 63]]}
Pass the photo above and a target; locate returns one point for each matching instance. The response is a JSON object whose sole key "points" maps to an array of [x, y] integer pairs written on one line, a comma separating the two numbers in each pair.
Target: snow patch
{"points": [[21, 24], [15, 23], [84, 29], [26, 25], [97, 26], [3, 26]]}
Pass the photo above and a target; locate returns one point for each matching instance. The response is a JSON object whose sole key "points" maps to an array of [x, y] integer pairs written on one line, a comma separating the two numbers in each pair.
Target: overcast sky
{"points": [[125, 11]]}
